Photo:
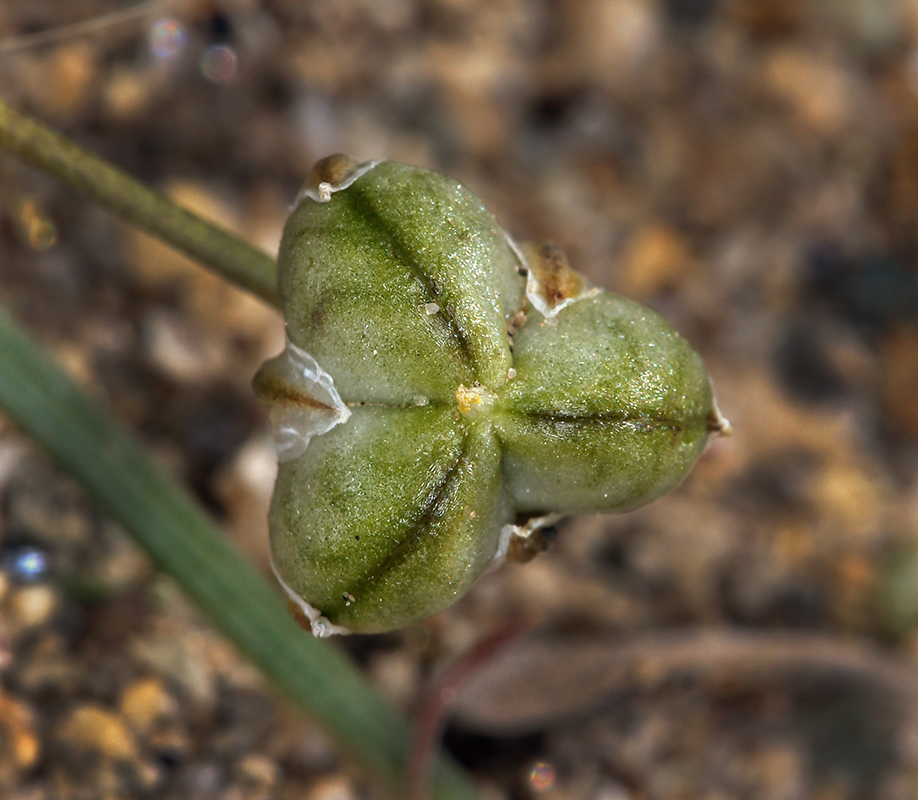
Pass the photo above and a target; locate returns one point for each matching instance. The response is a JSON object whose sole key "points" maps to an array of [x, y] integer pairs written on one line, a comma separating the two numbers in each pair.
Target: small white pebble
{"points": [[337, 788], [431, 308], [258, 769], [34, 605]]}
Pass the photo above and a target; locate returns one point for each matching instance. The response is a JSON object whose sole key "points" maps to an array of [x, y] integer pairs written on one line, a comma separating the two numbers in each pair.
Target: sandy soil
{"points": [[748, 168]]}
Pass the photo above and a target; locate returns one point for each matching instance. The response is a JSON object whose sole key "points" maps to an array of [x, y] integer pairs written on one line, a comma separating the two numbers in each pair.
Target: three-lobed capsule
{"points": [[445, 391]]}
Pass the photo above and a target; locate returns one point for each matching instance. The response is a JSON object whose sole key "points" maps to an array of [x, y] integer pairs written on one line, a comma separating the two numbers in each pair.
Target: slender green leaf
{"points": [[181, 538]]}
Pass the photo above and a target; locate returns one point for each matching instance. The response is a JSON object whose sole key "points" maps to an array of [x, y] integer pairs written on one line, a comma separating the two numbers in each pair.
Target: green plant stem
{"points": [[224, 253], [181, 538]]}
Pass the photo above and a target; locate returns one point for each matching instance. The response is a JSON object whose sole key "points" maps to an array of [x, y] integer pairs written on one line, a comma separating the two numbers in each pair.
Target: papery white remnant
{"points": [[320, 626], [301, 398], [508, 533]]}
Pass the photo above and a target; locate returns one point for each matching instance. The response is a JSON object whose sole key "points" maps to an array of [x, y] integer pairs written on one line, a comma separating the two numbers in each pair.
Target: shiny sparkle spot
{"points": [[542, 776], [27, 564], [218, 64], [167, 38]]}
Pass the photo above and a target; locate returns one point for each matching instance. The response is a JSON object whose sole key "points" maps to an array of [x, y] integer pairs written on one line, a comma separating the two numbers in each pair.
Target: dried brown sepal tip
{"points": [[522, 549], [333, 169], [332, 174], [552, 283]]}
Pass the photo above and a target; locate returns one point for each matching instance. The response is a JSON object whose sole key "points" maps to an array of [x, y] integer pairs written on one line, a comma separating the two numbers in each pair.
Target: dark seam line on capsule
{"points": [[653, 423], [402, 550], [374, 219]]}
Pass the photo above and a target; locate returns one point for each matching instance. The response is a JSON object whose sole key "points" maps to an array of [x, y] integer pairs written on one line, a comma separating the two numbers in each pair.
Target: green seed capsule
{"points": [[441, 384]]}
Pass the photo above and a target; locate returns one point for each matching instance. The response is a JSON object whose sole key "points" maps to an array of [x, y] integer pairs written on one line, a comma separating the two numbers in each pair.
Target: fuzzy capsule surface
{"points": [[440, 386]]}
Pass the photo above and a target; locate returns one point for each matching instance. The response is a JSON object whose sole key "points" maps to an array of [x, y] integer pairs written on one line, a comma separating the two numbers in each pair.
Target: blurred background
{"points": [[749, 168]]}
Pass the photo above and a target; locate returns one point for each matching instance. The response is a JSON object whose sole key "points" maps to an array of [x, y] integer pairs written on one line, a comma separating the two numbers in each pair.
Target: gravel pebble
{"points": [[33, 606], [90, 728], [146, 702], [20, 746]]}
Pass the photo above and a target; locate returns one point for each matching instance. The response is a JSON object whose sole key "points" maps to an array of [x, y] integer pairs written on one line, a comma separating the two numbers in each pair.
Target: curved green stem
{"points": [[221, 251]]}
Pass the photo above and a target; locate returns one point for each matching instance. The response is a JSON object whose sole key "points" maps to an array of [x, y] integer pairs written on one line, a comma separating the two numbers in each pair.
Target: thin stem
{"points": [[186, 544], [436, 703], [221, 251]]}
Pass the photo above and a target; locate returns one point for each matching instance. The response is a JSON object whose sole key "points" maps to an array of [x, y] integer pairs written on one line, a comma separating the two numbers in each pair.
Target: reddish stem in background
{"points": [[437, 700]]}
